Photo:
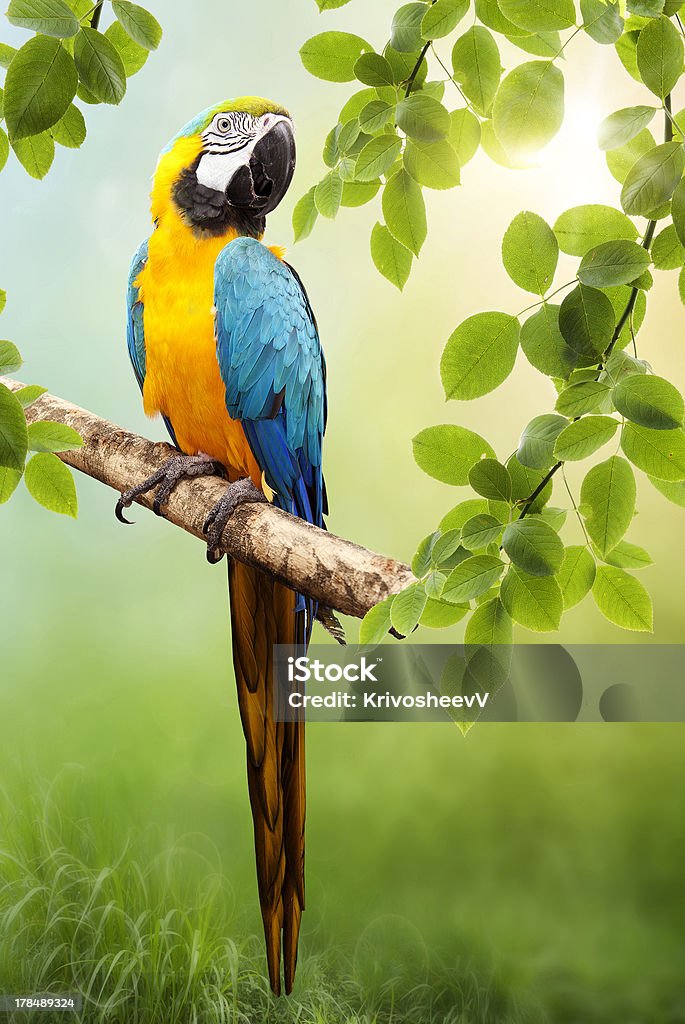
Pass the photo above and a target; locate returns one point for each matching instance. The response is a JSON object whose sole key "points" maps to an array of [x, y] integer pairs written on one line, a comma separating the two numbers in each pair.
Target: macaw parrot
{"points": [[225, 346]]}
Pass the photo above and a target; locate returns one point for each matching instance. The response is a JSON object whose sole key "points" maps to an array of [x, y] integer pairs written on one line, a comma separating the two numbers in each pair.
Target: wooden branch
{"points": [[339, 574]]}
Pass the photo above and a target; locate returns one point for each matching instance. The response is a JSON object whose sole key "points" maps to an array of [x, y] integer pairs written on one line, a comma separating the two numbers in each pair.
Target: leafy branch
{"points": [[498, 558], [66, 58]]}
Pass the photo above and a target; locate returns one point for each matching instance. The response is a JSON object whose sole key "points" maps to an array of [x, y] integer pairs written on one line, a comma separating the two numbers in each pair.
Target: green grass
{"points": [[154, 939]]}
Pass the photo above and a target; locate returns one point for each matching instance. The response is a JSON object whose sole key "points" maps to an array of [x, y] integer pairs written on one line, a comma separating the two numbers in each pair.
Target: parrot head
{"points": [[230, 166]]}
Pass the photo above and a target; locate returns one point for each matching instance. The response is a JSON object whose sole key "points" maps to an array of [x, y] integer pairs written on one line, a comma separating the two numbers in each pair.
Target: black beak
{"points": [[261, 184]]}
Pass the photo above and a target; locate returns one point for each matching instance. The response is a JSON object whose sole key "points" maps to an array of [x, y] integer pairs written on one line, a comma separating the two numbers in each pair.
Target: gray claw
{"points": [[176, 468], [238, 493]]}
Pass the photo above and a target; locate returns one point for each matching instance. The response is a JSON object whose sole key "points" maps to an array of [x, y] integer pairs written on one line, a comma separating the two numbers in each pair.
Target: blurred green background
{"points": [[526, 872]]}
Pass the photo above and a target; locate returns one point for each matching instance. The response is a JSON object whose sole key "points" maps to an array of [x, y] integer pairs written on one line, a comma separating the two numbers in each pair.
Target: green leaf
{"points": [[602, 20], [357, 193], [479, 355], [433, 584], [3, 299], [422, 117], [70, 131], [626, 48], [536, 447], [678, 211], [333, 55], [608, 500], [46, 436], [622, 599], [576, 576], [524, 482], [583, 437], [586, 321], [583, 227], [488, 11], [403, 65], [491, 479], [50, 17], [539, 15], [372, 69], [533, 546], [405, 33], [35, 154], [6, 55], [586, 396], [477, 67], [539, 44], [375, 116], [41, 83], [433, 164], [405, 211], [376, 623], [356, 103], [464, 134], [667, 249], [620, 127], [543, 343], [651, 181], [622, 160], [472, 577], [138, 23], [51, 484], [99, 66], [327, 195], [461, 513], [479, 531], [529, 107], [10, 360], [644, 9], [447, 550], [407, 608], [533, 601], [660, 56], [613, 263], [650, 402], [439, 614], [133, 56], [442, 17], [13, 432], [330, 5], [377, 157], [489, 624], [448, 452], [9, 478], [422, 561], [28, 395], [391, 259], [304, 215], [530, 252], [4, 149], [628, 556], [674, 491], [659, 453]]}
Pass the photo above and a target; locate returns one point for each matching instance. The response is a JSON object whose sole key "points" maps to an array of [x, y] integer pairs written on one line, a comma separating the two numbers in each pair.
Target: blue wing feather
{"points": [[135, 332], [135, 328], [273, 370]]}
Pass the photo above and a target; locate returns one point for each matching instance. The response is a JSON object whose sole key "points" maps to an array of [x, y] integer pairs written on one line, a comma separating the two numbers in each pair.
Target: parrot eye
{"points": [[223, 124]]}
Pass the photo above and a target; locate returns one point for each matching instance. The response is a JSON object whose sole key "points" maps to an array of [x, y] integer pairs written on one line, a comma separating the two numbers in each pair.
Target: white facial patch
{"points": [[216, 168]]}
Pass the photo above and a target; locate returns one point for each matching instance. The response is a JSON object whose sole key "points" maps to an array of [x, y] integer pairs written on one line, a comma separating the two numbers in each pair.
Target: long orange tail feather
{"points": [[263, 614]]}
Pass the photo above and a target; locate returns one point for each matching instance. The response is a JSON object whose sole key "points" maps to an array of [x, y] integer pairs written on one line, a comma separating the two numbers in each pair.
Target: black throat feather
{"points": [[207, 211]]}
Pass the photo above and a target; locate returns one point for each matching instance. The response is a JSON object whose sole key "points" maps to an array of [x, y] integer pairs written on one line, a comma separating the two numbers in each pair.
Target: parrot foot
{"points": [[239, 493], [178, 467]]}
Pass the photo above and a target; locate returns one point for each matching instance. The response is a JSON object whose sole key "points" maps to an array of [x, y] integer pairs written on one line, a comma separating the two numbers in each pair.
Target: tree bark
{"points": [[339, 574]]}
